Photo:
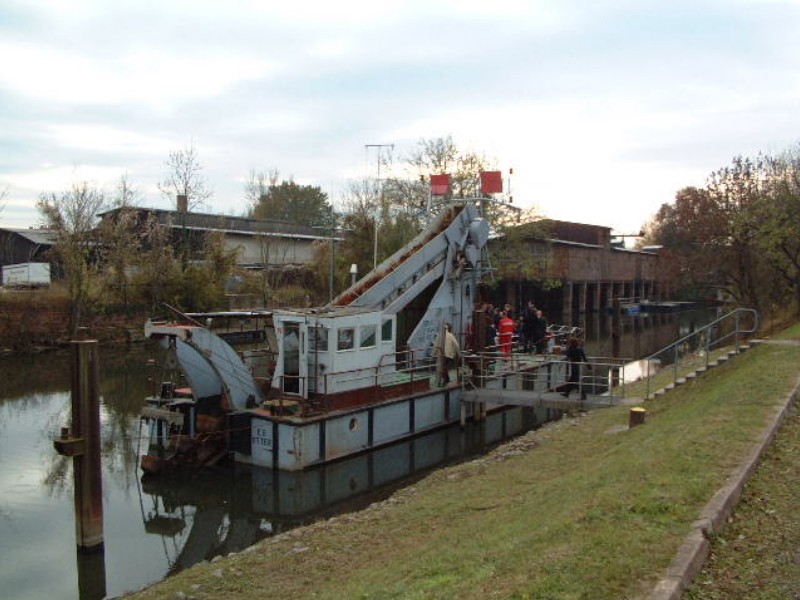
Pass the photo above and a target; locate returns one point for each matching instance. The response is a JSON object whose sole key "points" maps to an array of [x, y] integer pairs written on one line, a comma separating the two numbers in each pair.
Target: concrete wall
{"points": [[271, 250]]}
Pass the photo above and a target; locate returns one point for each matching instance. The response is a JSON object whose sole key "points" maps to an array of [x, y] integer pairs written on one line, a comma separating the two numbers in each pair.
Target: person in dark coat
{"points": [[491, 325], [540, 333], [576, 358], [529, 327]]}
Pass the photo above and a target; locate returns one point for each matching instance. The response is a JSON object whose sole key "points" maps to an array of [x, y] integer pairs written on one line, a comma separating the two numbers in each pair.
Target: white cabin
{"points": [[333, 351]]}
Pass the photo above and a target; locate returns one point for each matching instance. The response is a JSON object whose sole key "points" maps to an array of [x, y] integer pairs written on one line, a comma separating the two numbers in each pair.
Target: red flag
{"points": [[440, 184], [491, 182]]}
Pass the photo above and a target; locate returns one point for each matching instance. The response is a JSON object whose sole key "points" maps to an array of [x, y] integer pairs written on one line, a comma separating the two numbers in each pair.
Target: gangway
{"points": [[492, 378], [523, 380]]}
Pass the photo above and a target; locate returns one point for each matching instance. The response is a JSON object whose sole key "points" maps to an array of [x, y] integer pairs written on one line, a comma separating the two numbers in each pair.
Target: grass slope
{"points": [[758, 556], [583, 508]]}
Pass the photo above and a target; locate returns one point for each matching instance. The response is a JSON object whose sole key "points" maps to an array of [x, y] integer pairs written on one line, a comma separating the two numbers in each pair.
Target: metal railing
{"points": [[409, 367], [541, 374], [695, 350]]}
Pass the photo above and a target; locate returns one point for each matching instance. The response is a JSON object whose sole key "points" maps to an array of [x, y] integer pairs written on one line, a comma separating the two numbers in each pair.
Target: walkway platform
{"points": [[536, 399]]}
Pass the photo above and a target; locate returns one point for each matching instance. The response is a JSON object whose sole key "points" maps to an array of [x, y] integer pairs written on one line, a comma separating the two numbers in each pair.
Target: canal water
{"points": [[154, 528]]}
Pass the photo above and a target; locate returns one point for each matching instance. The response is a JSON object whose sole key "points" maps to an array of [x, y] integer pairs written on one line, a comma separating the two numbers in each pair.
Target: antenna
{"points": [[380, 148]]}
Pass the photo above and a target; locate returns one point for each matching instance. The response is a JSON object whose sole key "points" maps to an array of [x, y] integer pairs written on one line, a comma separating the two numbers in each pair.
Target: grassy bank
{"points": [[757, 555], [583, 508], [38, 319]]}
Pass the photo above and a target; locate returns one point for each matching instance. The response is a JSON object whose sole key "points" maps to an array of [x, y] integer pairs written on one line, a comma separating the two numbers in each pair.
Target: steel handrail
{"points": [[737, 333], [413, 365], [614, 371]]}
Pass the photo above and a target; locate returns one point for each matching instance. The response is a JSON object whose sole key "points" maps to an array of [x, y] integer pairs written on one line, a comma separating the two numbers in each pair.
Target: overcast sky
{"points": [[603, 108]]}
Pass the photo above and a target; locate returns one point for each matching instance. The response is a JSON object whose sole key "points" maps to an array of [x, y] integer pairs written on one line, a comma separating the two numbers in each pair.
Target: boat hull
{"points": [[295, 443]]}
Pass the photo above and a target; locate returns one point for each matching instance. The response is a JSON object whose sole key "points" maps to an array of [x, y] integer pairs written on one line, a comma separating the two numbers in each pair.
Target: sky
{"points": [[604, 109]]}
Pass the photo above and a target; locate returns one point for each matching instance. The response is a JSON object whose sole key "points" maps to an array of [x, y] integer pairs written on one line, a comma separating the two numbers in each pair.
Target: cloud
{"points": [[108, 139], [604, 109], [140, 75], [56, 178]]}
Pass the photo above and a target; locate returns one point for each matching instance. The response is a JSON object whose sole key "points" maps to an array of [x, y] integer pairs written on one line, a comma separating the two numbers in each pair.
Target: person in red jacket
{"points": [[506, 333]]}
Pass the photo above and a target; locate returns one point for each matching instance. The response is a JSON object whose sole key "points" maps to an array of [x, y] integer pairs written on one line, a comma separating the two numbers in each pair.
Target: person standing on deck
{"points": [[506, 333], [540, 332], [450, 350], [451, 353], [576, 357], [530, 327]]}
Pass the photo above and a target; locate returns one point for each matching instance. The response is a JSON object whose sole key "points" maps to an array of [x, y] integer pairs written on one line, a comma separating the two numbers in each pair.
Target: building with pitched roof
{"points": [[258, 243], [25, 245]]}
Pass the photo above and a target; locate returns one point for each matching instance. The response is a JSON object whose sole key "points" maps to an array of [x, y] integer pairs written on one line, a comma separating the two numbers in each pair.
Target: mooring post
{"points": [[636, 416], [82, 442]]}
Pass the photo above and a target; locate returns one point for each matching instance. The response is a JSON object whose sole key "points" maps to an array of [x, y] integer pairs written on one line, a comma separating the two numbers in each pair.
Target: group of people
{"points": [[530, 327], [531, 330]]}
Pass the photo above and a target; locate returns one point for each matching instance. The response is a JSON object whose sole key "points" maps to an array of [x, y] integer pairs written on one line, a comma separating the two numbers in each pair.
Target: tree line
{"points": [[737, 239], [134, 261]]}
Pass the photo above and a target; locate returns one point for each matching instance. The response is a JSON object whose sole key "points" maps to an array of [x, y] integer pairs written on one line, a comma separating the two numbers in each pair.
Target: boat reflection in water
{"points": [[215, 512]]}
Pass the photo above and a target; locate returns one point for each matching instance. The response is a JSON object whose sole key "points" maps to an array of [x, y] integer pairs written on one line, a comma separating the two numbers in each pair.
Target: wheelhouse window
{"points": [[386, 330], [346, 338], [368, 336], [318, 338], [291, 358]]}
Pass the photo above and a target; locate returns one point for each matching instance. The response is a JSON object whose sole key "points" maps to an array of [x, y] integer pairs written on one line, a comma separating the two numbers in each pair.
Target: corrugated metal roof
{"points": [[228, 223], [37, 236]]}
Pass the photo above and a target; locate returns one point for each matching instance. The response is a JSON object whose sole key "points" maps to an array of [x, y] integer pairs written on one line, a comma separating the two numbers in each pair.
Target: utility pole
{"points": [[380, 148]]}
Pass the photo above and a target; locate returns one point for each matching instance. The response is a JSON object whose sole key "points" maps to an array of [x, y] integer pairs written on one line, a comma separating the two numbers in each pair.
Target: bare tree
{"points": [[121, 236], [273, 273], [432, 157], [127, 194], [158, 266], [73, 215], [258, 185], [366, 214], [186, 178]]}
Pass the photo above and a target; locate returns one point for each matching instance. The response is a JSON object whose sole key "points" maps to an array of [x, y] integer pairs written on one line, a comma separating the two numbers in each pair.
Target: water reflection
{"points": [[227, 510], [37, 526], [641, 335], [92, 575]]}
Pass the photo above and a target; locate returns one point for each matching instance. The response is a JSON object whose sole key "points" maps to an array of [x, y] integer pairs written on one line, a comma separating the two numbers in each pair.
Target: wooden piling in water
{"points": [[82, 442]]}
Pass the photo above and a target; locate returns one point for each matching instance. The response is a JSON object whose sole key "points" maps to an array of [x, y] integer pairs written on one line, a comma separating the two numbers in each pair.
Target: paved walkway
{"points": [[776, 342]]}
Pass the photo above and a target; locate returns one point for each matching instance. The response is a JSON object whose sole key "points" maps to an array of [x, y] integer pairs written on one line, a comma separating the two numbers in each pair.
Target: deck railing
{"points": [[409, 366], [544, 373]]}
